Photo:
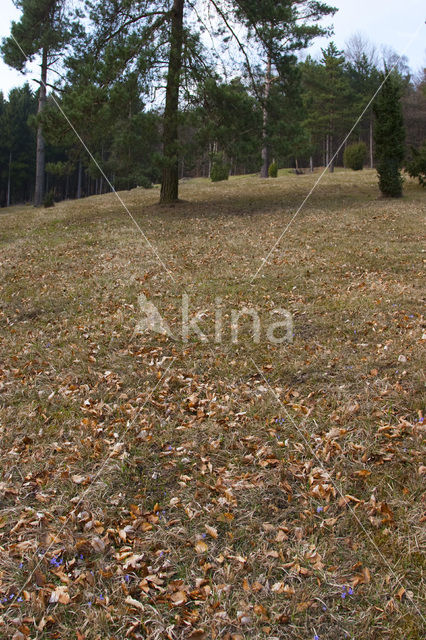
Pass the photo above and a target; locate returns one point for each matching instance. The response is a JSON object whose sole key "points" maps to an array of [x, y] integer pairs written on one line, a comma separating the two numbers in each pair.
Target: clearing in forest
{"points": [[155, 487]]}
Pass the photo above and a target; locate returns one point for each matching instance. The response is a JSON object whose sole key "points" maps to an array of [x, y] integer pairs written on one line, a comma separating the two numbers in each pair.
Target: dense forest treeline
{"points": [[289, 111]]}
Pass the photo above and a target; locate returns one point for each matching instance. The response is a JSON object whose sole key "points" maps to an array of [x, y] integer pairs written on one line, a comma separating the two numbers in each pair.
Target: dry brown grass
{"points": [[102, 429]]}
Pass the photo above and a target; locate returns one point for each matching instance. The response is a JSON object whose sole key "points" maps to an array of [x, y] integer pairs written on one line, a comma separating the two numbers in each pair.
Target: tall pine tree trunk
{"points": [[41, 147], [331, 153], [9, 178], [79, 179], [264, 173], [371, 141], [170, 181]]}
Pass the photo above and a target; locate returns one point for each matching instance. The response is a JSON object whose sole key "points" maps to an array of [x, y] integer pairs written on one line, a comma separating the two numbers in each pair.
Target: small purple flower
{"points": [[316, 637], [344, 595], [350, 591], [127, 577], [319, 509]]}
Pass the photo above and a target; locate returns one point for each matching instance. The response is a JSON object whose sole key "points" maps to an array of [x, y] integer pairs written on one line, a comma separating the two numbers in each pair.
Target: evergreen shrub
{"points": [[273, 170], [220, 168], [354, 156]]}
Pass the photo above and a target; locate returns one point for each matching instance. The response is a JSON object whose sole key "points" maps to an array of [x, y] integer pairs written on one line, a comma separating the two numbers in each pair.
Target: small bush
{"points": [[390, 179], [417, 167], [144, 182], [354, 156], [273, 170], [49, 200], [220, 168]]}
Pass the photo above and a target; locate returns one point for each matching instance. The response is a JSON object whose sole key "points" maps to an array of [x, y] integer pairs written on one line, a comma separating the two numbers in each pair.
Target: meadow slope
{"points": [[153, 487]]}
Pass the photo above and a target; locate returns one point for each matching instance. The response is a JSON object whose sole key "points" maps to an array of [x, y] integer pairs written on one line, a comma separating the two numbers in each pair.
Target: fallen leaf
{"points": [[60, 595], [98, 545], [212, 531], [198, 634], [201, 547], [135, 604], [178, 598]]}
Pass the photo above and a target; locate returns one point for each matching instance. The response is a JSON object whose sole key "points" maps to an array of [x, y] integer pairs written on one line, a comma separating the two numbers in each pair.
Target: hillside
{"points": [[157, 487]]}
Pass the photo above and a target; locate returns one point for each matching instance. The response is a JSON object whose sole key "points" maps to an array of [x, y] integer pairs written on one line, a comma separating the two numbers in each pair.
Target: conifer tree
{"points": [[17, 146], [280, 28], [329, 100], [43, 30], [390, 136], [166, 31]]}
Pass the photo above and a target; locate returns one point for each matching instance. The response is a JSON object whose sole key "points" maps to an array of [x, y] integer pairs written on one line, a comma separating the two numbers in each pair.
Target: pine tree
{"points": [[17, 146], [362, 68], [229, 120], [42, 30], [390, 135], [280, 28], [147, 32], [329, 100]]}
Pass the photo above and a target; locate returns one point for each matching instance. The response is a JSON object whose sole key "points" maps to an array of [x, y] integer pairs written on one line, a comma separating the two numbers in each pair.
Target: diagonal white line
{"points": [[264, 260], [117, 195], [290, 417], [95, 477]]}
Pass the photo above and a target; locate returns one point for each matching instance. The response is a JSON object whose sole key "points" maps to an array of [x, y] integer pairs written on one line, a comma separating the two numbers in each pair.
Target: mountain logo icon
{"points": [[153, 320]]}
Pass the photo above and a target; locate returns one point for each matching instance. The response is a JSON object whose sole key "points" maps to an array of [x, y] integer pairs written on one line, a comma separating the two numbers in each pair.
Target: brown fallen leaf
{"points": [[212, 531], [98, 544], [40, 578], [60, 595], [135, 604], [201, 547], [362, 578], [178, 598], [198, 634]]}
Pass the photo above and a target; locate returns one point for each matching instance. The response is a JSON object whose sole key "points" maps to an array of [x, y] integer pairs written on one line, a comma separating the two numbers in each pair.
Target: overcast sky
{"points": [[388, 22]]}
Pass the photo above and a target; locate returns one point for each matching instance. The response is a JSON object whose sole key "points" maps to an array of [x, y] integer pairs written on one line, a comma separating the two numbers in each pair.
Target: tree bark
{"points": [[371, 141], [41, 147], [264, 173], [9, 180], [79, 179], [331, 153], [331, 159], [170, 181]]}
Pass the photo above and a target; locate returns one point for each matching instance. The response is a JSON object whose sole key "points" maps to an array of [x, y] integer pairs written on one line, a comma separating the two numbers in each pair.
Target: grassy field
{"points": [[158, 488]]}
